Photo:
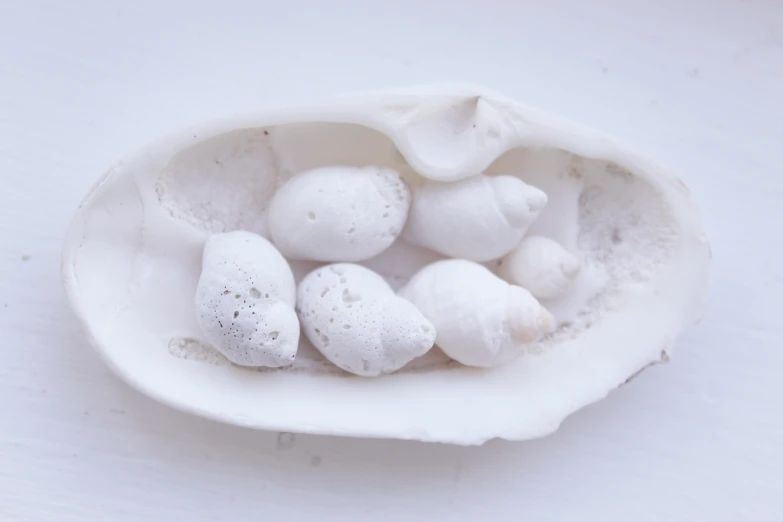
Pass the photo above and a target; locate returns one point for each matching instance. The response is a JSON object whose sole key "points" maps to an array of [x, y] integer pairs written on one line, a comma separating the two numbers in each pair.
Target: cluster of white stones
{"points": [[249, 308]]}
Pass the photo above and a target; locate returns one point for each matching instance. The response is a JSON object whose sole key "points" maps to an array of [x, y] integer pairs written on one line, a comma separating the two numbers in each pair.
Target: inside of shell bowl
{"points": [[133, 261]]}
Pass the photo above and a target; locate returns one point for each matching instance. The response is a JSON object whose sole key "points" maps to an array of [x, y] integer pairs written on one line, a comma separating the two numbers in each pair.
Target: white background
{"points": [[697, 85]]}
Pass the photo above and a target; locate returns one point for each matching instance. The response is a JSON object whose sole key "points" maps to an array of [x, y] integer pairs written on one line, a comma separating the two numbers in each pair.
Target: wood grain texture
{"points": [[695, 84]]}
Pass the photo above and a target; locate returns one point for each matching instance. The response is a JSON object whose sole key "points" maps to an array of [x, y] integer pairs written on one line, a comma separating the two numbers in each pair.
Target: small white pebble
{"points": [[338, 213], [542, 266], [480, 319], [478, 219], [355, 320], [245, 300]]}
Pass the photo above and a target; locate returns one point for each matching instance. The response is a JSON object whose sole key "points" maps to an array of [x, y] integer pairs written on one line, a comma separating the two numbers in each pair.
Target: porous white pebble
{"points": [[338, 213], [542, 266], [478, 219], [355, 320], [245, 300], [480, 319]]}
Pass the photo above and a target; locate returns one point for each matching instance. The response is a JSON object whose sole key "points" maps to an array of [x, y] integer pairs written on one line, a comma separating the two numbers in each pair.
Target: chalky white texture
{"points": [[245, 300], [339, 213], [453, 138], [131, 272], [352, 316], [480, 319], [479, 218], [542, 266], [661, 433]]}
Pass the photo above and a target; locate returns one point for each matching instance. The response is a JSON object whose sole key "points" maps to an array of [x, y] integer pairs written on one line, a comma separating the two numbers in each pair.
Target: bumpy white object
{"points": [[542, 266], [338, 213], [480, 319], [132, 260], [245, 301], [355, 320], [479, 218]]}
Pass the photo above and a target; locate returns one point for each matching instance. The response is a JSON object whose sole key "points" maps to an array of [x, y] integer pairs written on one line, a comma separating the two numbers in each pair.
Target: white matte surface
{"points": [[693, 84]]}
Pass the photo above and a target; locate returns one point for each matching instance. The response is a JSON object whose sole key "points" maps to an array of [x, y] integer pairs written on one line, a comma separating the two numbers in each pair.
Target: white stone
{"points": [[478, 219], [352, 316], [338, 213], [542, 266], [480, 319], [245, 300]]}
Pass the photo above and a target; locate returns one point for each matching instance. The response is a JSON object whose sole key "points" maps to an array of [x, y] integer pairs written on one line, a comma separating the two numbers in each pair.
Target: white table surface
{"points": [[697, 85]]}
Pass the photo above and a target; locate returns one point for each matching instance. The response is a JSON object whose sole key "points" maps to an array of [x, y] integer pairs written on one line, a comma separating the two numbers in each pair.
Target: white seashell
{"points": [[132, 261], [245, 301], [542, 266], [480, 319], [352, 316], [479, 218], [338, 213], [478, 132]]}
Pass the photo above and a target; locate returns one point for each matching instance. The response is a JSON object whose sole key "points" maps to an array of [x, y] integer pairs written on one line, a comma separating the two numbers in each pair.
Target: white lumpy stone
{"points": [[478, 219], [245, 300], [542, 266], [338, 213], [480, 319], [355, 320]]}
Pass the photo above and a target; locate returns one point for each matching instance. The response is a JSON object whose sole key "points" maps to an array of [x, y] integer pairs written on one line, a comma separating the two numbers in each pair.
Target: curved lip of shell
{"points": [[546, 129]]}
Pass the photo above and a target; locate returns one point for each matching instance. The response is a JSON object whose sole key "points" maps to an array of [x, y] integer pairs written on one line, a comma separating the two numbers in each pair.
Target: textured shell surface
{"points": [[479, 218], [245, 300], [480, 319], [338, 213], [354, 318], [132, 260]]}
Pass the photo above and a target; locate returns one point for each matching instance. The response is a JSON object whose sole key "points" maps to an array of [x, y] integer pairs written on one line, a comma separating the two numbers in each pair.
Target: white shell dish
{"points": [[132, 259]]}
